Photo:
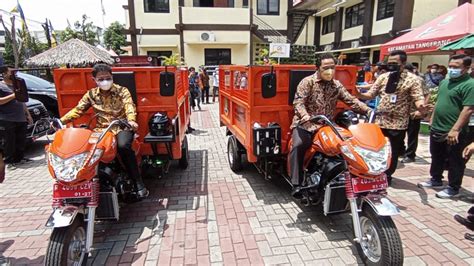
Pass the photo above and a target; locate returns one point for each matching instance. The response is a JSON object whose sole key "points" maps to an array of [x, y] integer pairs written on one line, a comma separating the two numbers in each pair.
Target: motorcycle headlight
{"points": [[67, 169], [376, 161], [96, 156]]}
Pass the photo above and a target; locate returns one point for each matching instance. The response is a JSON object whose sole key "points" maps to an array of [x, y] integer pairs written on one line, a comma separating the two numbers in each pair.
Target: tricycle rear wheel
{"points": [[233, 155], [184, 160]]}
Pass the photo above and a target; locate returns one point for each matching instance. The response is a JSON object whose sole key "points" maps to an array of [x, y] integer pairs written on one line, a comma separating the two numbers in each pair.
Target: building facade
{"points": [[357, 28], [207, 32]]}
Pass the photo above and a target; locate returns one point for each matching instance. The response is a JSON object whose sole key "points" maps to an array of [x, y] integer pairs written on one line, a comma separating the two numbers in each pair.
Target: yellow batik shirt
{"points": [[393, 111], [108, 106]]}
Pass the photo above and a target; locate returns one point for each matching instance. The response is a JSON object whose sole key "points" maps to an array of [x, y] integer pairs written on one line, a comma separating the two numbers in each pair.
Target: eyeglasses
{"points": [[103, 79]]}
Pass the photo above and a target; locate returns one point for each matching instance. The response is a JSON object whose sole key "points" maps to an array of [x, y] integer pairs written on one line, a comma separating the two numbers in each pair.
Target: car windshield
{"points": [[35, 82]]}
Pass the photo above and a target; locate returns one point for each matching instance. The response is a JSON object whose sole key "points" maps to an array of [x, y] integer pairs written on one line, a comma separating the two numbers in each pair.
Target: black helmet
{"points": [[347, 118], [158, 125]]}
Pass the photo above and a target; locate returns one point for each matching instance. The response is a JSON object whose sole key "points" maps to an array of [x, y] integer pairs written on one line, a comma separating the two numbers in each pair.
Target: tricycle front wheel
{"points": [[184, 160], [381, 243], [233, 155]]}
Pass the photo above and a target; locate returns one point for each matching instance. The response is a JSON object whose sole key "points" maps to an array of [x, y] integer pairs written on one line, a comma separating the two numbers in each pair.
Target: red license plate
{"points": [[61, 191], [368, 184]]}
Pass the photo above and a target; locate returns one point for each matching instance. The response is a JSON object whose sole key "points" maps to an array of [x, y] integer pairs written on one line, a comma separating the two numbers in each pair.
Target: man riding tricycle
{"points": [[138, 123], [287, 123]]}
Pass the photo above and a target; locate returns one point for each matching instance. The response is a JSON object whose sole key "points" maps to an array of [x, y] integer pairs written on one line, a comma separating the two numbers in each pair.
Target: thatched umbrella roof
{"points": [[75, 53]]}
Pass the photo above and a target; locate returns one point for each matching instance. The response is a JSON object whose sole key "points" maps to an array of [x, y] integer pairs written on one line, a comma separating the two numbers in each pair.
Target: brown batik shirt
{"points": [[393, 111], [318, 97], [426, 92], [108, 106]]}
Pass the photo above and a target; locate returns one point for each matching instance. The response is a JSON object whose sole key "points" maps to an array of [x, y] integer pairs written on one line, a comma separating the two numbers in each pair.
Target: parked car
{"points": [[43, 91], [37, 111]]}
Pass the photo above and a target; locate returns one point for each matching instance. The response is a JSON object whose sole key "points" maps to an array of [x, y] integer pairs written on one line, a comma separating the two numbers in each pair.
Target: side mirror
{"points": [[269, 88], [167, 83]]}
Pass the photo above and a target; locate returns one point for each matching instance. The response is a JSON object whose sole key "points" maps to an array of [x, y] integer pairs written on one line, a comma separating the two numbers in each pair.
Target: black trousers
{"points": [[412, 141], [440, 151], [302, 141], [12, 140], [205, 94], [396, 138], [124, 147]]}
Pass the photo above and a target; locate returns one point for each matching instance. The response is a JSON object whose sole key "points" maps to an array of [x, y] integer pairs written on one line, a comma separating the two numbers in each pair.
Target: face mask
{"points": [[393, 67], [454, 73], [105, 84], [327, 74], [433, 71]]}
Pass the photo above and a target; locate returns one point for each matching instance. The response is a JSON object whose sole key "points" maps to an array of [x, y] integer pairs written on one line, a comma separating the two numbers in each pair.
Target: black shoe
{"points": [[464, 221], [296, 192], [408, 160], [469, 237]]}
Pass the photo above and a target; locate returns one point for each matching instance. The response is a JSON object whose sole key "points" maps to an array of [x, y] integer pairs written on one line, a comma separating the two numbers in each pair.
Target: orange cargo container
{"points": [[154, 89], [244, 102]]}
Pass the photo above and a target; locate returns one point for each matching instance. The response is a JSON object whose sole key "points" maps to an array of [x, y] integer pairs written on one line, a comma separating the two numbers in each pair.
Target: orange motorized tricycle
{"points": [[343, 169], [89, 176]]}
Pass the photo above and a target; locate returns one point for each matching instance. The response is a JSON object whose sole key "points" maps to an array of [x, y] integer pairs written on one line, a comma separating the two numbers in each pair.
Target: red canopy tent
{"points": [[431, 36]]}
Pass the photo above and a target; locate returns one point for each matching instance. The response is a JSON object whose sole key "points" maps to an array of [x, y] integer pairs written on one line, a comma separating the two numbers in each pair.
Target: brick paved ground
{"points": [[209, 215]]}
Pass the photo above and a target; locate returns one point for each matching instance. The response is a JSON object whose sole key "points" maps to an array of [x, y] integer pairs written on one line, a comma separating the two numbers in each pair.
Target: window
{"points": [[213, 3], [156, 56], [354, 15], [268, 7], [214, 57], [329, 24], [245, 3], [2, 33], [157, 6], [385, 9]]}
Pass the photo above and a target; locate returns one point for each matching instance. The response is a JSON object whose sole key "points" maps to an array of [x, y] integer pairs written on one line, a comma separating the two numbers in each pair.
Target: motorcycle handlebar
{"points": [[318, 118]]}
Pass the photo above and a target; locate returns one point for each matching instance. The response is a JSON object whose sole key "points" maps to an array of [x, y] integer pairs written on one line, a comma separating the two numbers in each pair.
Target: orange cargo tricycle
{"points": [[343, 169], [89, 177]]}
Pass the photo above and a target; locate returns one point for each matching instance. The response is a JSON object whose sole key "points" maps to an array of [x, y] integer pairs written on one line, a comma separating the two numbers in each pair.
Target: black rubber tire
{"points": [[390, 242], [57, 252], [233, 150], [184, 160]]}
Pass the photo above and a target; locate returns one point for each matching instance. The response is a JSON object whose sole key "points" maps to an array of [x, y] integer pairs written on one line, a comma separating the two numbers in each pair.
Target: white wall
{"points": [[425, 60], [380, 26], [277, 22], [351, 33], [156, 20], [212, 15], [223, 37], [427, 10], [327, 38]]}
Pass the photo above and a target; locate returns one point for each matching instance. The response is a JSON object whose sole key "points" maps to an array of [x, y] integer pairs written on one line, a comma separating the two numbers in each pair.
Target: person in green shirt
{"points": [[449, 126]]}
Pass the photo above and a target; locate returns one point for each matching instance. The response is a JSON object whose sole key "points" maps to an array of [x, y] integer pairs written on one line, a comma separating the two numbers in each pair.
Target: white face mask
{"points": [[105, 84]]}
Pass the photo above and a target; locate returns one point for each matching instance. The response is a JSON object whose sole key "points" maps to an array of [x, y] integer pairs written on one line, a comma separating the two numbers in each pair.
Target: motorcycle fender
{"points": [[381, 205], [63, 216]]}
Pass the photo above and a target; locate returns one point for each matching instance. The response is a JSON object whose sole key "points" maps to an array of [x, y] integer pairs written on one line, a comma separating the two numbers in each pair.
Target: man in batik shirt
{"points": [[111, 102], [397, 89], [315, 95]]}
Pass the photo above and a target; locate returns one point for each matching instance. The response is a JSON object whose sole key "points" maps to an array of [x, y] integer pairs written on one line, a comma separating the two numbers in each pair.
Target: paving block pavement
{"points": [[208, 215]]}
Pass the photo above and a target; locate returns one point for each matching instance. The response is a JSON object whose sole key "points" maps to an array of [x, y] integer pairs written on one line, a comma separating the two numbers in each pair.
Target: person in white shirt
{"points": [[215, 85]]}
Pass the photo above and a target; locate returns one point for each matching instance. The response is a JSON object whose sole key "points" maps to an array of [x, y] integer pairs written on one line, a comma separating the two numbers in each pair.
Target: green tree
{"points": [[83, 30], [114, 38]]}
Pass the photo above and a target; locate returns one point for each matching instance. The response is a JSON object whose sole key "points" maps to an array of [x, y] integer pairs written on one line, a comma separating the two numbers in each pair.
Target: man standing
{"points": [[204, 78], [316, 95], [397, 90], [14, 117], [215, 84], [414, 122], [433, 78], [449, 131]]}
